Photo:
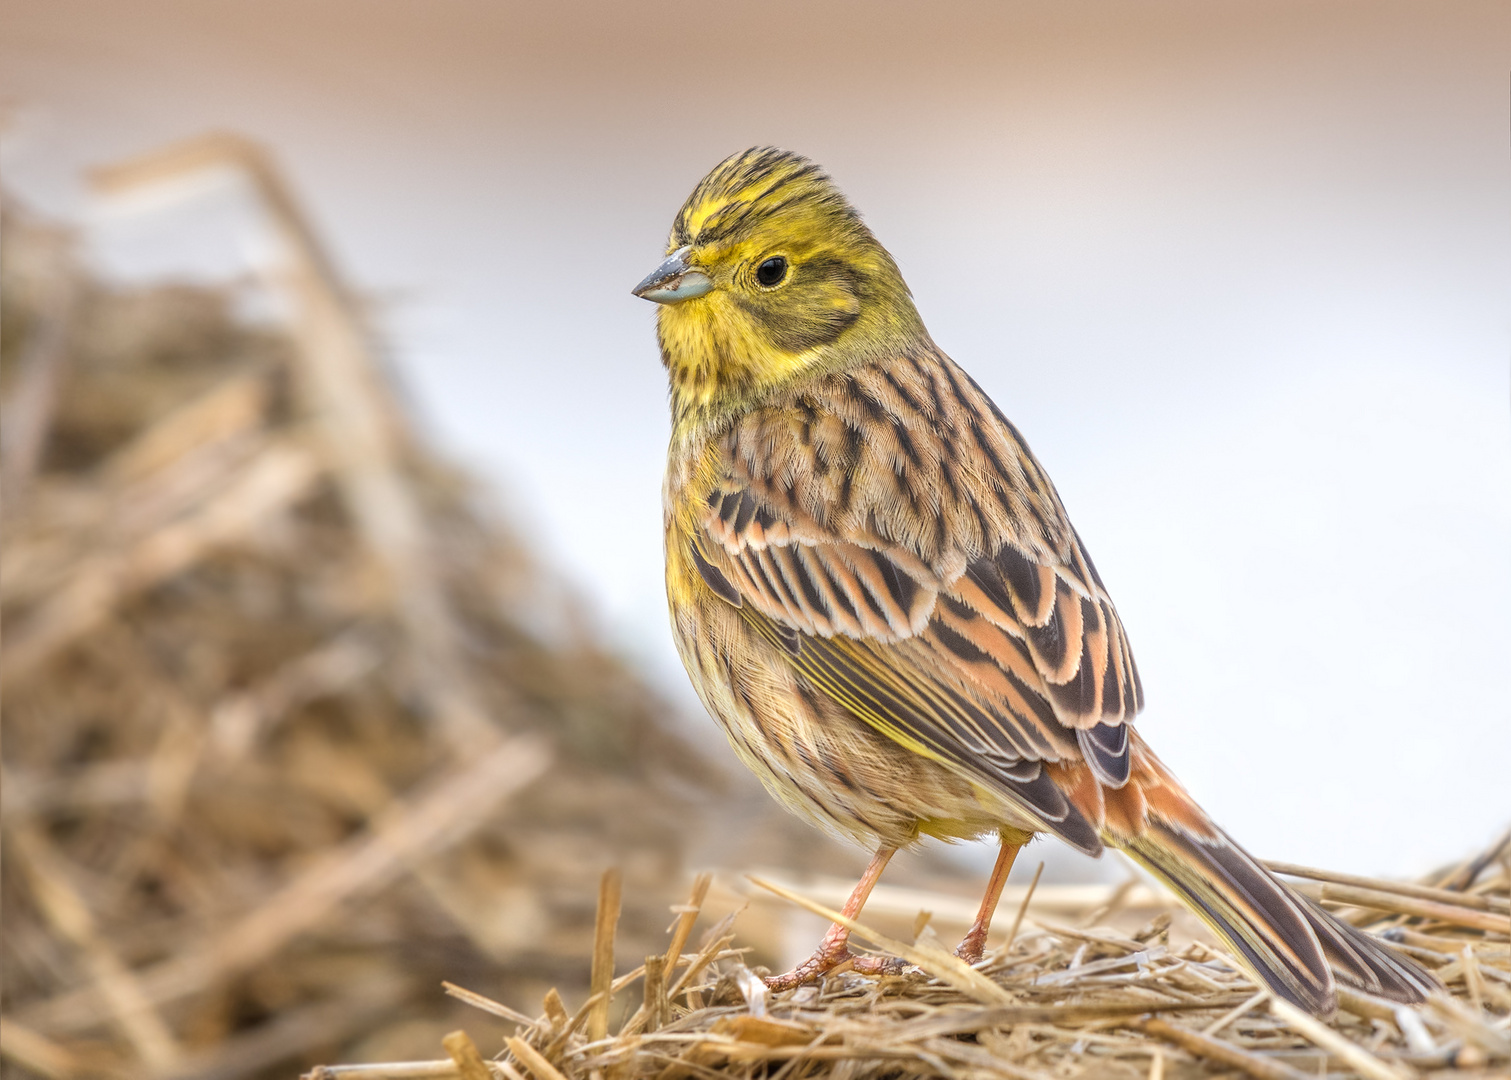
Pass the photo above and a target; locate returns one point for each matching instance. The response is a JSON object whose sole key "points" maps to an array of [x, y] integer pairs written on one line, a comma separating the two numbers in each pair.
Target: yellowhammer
{"points": [[878, 594]]}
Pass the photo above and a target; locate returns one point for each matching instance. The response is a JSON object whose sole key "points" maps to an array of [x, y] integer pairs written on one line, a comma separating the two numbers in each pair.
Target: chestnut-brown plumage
{"points": [[878, 594]]}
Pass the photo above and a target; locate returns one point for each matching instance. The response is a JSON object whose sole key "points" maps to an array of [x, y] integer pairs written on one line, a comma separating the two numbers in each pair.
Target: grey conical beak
{"points": [[674, 280]]}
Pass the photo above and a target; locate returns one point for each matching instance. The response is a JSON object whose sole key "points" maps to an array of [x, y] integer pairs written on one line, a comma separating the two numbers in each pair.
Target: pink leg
{"points": [[974, 944], [834, 949]]}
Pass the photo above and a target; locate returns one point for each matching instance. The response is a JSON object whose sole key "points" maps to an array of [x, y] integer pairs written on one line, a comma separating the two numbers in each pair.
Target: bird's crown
{"points": [[751, 188]]}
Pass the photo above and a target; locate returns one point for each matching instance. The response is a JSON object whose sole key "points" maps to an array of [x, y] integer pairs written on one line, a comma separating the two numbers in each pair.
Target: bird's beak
{"points": [[674, 280]]}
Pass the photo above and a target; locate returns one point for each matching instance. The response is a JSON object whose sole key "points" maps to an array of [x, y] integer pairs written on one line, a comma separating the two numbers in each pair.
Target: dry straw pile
{"points": [[293, 730], [1052, 1001]]}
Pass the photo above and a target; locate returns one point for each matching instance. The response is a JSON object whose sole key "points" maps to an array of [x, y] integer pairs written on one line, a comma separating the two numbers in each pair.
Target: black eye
{"points": [[772, 271]]}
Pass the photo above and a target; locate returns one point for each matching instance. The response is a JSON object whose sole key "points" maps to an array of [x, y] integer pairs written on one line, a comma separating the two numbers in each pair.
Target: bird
{"points": [[878, 595]]}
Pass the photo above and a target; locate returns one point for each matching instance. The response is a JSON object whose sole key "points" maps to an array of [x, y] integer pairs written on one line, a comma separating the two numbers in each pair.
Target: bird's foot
{"points": [[830, 958], [973, 946]]}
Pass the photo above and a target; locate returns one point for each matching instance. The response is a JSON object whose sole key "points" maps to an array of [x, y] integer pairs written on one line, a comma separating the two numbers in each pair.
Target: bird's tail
{"points": [[1296, 947]]}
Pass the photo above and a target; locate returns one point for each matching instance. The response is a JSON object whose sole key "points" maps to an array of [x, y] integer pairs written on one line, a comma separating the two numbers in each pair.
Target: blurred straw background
{"points": [[278, 752]]}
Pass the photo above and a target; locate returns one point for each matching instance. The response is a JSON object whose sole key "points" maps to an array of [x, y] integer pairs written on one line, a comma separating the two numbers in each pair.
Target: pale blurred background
{"points": [[1240, 272]]}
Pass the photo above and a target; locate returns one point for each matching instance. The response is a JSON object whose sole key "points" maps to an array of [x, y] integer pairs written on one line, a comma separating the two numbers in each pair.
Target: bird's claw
{"points": [[972, 949], [827, 960]]}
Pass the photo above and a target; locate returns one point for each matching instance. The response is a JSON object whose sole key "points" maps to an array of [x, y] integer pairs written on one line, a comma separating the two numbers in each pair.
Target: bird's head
{"points": [[770, 276]]}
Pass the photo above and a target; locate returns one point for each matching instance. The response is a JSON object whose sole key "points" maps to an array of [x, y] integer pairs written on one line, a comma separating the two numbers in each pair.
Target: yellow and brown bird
{"points": [[879, 596]]}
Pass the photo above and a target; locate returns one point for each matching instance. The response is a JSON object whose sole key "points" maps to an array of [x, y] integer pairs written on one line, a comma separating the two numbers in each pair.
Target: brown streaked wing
{"points": [[1074, 638], [818, 588], [884, 685], [864, 626]]}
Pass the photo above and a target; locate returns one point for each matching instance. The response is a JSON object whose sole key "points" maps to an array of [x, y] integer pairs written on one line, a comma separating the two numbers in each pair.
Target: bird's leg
{"points": [[974, 943], [834, 949]]}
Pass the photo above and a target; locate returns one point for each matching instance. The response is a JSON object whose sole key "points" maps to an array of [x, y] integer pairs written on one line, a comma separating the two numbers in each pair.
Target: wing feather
{"points": [[932, 719], [988, 644]]}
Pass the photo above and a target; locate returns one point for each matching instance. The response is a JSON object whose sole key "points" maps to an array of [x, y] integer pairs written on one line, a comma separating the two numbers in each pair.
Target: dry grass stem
{"points": [[404, 1070], [1242, 1009], [1012, 931], [464, 1055], [1352, 1054], [602, 980], [488, 1005], [1402, 888], [1452, 914], [1205, 1046], [531, 1059]]}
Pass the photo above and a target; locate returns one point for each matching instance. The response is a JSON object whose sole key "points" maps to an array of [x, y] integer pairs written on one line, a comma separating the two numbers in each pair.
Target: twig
{"points": [[531, 1059], [135, 492], [1453, 914], [1315, 1031], [487, 1004], [1211, 1030], [1470, 1025], [1365, 1005], [1094, 937], [469, 1063], [654, 1006], [718, 937], [1114, 902], [1474, 982], [1225, 1053], [1464, 875], [609, 888], [686, 918], [240, 719], [1157, 1065], [660, 995], [399, 1070], [1400, 888], [964, 1021], [1012, 933]]}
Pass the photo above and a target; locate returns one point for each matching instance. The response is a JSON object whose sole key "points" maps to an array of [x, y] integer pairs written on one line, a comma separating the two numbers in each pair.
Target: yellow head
{"points": [[770, 276]]}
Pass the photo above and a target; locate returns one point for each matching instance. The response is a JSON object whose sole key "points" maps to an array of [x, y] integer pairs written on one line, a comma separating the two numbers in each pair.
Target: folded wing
{"points": [[1006, 666]]}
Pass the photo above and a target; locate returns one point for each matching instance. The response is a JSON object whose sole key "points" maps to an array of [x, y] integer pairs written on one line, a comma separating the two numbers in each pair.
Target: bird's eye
{"points": [[772, 271]]}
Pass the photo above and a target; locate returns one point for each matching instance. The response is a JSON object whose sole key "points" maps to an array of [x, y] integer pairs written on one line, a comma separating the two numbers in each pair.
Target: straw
{"points": [[1064, 1000]]}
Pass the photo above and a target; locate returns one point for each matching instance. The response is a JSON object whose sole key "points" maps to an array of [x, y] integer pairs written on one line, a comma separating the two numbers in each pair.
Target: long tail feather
{"points": [[1298, 949], [1360, 961], [1261, 920]]}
